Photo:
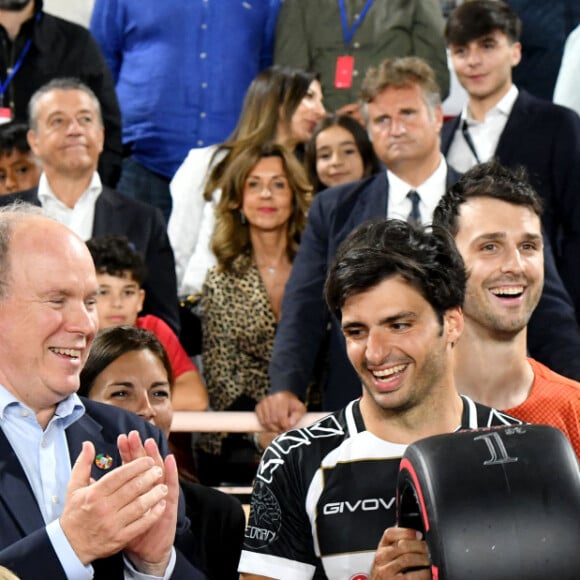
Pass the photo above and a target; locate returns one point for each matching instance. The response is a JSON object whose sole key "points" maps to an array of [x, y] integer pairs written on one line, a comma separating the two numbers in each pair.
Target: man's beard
{"points": [[14, 5]]}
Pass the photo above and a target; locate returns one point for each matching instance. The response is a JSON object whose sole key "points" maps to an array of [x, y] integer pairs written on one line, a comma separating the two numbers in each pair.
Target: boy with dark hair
{"points": [[121, 273], [510, 125], [494, 215], [19, 168], [397, 290]]}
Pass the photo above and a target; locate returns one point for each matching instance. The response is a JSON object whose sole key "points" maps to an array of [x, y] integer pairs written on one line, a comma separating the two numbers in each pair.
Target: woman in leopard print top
{"points": [[259, 220]]}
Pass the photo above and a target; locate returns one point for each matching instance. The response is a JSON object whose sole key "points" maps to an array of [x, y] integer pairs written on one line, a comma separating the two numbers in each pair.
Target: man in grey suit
{"points": [[67, 135]]}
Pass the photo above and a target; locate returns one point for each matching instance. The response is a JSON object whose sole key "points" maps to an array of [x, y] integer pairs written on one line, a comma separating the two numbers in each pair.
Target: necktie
{"points": [[415, 216]]}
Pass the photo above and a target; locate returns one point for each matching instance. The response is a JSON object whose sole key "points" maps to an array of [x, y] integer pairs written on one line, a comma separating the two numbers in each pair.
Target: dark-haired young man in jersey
{"points": [[325, 494]]}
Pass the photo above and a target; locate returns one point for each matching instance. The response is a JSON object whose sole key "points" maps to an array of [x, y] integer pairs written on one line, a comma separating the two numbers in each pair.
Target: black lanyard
{"points": [[469, 140]]}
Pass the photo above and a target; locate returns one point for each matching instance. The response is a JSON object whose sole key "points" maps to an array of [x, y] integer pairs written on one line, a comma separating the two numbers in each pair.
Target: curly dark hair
{"points": [[115, 255], [426, 258], [488, 179]]}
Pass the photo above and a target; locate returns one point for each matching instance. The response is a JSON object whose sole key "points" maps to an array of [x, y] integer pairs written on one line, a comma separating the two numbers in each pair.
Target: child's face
{"points": [[120, 300], [18, 171], [338, 159]]}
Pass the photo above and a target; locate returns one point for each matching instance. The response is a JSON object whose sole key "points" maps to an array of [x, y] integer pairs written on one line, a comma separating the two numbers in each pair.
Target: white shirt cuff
{"points": [[73, 567], [132, 574]]}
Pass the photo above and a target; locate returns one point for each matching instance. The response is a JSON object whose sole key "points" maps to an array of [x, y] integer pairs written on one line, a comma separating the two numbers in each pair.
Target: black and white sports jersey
{"points": [[324, 495]]}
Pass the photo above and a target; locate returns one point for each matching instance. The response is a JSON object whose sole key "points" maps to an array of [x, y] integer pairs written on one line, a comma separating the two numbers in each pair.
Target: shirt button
{"points": [[55, 499], [202, 115], [356, 45], [43, 443], [200, 142], [204, 85], [204, 26], [202, 55], [25, 413], [355, 73]]}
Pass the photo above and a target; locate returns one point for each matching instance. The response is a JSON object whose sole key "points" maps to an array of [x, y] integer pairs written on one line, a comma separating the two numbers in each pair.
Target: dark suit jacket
{"points": [[218, 523], [553, 336], [24, 545], [145, 227], [545, 139]]}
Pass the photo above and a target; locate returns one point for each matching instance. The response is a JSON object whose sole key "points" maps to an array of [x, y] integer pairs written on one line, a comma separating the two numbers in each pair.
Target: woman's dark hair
{"points": [[273, 96], [371, 163], [113, 342]]}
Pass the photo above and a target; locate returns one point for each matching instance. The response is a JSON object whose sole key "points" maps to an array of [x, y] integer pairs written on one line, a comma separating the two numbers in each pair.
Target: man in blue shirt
{"points": [[114, 513], [181, 71]]}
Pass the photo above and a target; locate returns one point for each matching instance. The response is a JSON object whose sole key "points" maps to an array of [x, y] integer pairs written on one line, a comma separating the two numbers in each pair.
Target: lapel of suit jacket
{"points": [[105, 214], [509, 141], [452, 177], [371, 203], [16, 493], [447, 133], [87, 429]]}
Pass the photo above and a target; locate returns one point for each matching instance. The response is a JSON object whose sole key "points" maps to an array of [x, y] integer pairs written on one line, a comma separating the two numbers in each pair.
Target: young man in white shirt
{"points": [[499, 121]]}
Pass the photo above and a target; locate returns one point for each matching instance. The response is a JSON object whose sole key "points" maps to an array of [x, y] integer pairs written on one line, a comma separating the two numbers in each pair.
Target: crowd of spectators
{"points": [[220, 152]]}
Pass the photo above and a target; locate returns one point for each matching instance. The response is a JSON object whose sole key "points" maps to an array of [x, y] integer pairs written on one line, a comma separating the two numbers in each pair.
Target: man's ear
{"points": [[516, 55], [141, 299], [32, 139], [453, 324], [102, 140], [438, 117]]}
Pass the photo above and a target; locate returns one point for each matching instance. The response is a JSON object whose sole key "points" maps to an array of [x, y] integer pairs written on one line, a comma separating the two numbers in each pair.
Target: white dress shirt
{"points": [[81, 217], [192, 219], [430, 192], [566, 91], [484, 134]]}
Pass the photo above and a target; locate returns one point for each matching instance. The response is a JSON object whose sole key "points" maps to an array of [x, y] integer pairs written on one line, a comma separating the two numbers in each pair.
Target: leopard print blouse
{"points": [[238, 328]]}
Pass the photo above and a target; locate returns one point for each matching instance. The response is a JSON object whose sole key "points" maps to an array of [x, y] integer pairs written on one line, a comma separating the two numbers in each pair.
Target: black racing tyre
{"points": [[494, 504]]}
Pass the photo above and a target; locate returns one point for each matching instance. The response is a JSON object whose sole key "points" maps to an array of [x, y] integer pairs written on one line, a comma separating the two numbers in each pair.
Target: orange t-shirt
{"points": [[554, 400]]}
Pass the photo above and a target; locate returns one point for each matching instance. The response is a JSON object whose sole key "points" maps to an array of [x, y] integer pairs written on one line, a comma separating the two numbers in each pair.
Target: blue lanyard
{"points": [[15, 68], [18, 63], [347, 32]]}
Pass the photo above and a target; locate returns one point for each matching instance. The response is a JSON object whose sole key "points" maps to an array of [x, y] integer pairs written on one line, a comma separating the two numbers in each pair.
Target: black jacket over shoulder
{"points": [[62, 49]]}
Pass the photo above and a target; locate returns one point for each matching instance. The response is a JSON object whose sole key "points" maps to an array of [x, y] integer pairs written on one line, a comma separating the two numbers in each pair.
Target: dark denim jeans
{"points": [[138, 182]]}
